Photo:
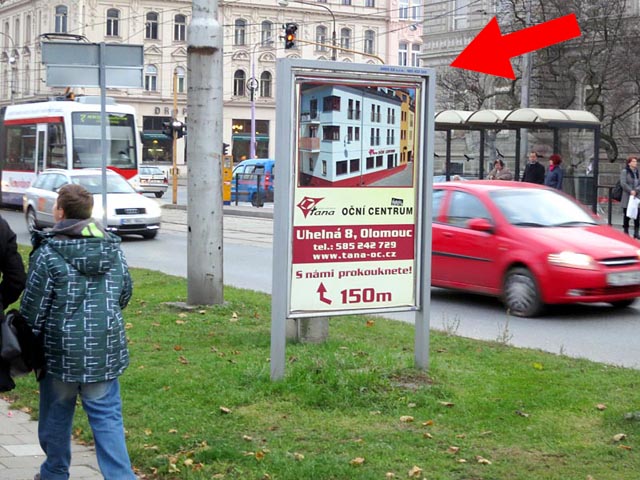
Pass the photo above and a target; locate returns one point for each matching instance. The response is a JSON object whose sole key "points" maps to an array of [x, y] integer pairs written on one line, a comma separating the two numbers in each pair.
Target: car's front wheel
{"points": [[623, 303], [150, 234], [521, 294], [32, 221], [159, 194]]}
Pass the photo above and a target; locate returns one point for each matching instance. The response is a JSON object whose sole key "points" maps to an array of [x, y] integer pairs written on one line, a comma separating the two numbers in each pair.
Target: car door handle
{"points": [[447, 234]]}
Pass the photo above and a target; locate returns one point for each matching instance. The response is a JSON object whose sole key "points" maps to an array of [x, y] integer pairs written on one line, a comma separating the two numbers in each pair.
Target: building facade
{"points": [[367, 31]]}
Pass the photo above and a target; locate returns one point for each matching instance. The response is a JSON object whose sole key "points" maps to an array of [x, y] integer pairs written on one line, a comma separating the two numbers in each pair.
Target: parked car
{"points": [[529, 245], [151, 179], [128, 211], [252, 181]]}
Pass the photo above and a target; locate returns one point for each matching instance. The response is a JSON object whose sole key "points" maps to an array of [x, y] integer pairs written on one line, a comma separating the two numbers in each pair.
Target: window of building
{"points": [[342, 168], [61, 19], [240, 32], [369, 41], [324, 168], [460, 13], [345, 38], [179, 28], [354, 165], [266, 33], [415, 55], [113, 22], [16, 30], [180, 80], [346, 2], [151, 26], [369, 164], [357, 134], [369, 3], [416, 9], [265, 84], [331, 103], [379, 160], [321, 37], [403, 9], [239, 81], [331, 133], [151, 78], [402, 54], [27, 77], [27, 30]]}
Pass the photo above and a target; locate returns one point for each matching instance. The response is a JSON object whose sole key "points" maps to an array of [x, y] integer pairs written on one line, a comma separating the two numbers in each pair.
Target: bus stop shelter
{"points": [[558, 126]]}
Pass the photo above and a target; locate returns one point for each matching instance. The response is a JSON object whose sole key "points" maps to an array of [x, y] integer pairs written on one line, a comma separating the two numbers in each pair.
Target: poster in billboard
{"points": [[355, 206]]}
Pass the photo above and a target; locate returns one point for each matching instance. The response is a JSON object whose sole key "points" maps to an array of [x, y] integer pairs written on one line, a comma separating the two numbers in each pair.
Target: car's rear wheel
{"points": [[150, 234], [32, 221], [521, 294], [623, 303], [257, 199], [159, 194]]}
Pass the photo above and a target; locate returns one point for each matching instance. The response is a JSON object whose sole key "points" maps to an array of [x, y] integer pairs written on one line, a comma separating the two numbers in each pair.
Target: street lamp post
{"points": [[12, 61], [285, 3], [252, 84]]}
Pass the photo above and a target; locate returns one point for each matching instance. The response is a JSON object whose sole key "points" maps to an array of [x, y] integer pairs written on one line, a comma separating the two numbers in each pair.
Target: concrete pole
{"points": [[524, 88], [174, 155], [204, 165]]}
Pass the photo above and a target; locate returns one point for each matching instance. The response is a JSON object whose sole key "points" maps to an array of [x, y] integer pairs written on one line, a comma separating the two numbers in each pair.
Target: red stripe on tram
{"points": [[28, 121]]}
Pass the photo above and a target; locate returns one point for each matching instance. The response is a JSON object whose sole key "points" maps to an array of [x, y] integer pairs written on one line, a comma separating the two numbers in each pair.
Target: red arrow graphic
{"points": [[322, 290], [491, 52]]}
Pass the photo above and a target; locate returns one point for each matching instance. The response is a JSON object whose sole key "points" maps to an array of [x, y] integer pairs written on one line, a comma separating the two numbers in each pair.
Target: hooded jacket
{"points": [[77, 285]]}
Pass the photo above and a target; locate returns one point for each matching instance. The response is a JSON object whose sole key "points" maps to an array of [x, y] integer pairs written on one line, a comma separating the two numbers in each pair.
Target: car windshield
{"points": [[93, 183], [540, 208]]}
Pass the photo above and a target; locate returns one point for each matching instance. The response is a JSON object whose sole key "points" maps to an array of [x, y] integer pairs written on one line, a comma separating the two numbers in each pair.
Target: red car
{"points": [[529, 245]]}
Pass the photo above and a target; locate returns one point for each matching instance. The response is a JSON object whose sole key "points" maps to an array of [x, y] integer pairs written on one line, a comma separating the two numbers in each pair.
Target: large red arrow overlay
{"points": [[491, 52]]}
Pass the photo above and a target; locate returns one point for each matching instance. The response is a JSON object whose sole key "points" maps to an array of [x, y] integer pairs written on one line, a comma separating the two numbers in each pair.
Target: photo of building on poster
{"points": [[354, 244], [354, 136]]}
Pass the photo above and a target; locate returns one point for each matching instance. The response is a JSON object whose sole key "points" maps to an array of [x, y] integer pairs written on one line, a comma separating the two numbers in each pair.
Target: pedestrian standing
{"points": [[554, 175], [630, 183], [12, 285], [78, 284], [500, 171], [534, 170]]}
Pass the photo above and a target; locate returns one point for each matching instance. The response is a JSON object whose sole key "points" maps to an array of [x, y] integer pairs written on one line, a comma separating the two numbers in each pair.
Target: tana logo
{"points": [[308, 204]]}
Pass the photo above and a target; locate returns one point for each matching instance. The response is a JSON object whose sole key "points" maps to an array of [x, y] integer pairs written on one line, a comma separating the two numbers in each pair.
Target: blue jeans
{"points": [[102, 403]]}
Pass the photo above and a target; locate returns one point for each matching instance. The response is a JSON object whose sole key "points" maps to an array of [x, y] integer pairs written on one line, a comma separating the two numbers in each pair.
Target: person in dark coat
{"points": [[554, 175], [78, 284], [11, 286], [630, 183], [534, 170]]}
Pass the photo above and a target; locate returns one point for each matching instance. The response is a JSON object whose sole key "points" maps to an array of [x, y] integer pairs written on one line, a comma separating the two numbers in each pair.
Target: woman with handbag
{"points": [[630, 182]]}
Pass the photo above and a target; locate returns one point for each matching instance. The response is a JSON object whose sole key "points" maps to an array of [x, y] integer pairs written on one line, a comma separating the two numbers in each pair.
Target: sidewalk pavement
{"points": [[20, 453]]}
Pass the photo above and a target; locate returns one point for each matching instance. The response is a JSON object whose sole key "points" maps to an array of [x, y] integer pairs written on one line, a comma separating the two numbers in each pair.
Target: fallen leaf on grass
{"points": [[225, 410], [148, 431], [462, 460], [260, 455], [427, 435], [188, 462], [298, 457], [406, 419], [624, 447], [619, 437], [370, 323], [173, 468], [26, 409], [180, 322], [522, 414], [182, 315], [483, 460], [428, 423], [411, 405], [389, 475], [202, 312], [447, 404], [155, 324], [173, 430], [234, 317], [128, 326], [357, 461], [177, 348], [183, 360], [247, 438], [415, 472], [601, 406], [453, 449]]}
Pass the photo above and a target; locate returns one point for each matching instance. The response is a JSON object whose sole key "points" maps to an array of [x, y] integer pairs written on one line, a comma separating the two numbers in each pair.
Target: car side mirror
{"points": [[480, 225]]}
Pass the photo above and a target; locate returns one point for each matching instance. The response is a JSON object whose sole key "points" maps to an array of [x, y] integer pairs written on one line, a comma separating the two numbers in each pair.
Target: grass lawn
{"points": [[199, 403]]}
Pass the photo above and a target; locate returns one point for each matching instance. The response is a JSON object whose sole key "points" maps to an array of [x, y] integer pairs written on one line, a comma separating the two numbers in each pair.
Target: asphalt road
{"points": [[595, 332]]}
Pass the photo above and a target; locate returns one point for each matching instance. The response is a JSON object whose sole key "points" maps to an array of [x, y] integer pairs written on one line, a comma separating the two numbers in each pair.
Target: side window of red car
{"points": [[436, 203], [463, 207]]}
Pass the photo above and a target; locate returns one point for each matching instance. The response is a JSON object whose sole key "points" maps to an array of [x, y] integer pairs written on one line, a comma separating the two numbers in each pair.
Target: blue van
{"points": [[252, 181]]}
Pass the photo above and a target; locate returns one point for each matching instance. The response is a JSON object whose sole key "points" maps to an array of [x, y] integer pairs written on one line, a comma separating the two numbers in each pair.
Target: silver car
{"points": [[128, 212], [150, 180]]}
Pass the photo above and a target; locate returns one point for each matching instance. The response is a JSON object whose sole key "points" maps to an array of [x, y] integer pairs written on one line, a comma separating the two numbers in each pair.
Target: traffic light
{"points": [[290, 30], [225, 148]]}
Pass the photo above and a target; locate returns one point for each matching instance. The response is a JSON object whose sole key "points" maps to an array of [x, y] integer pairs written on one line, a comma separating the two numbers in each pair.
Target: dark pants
{"points": [[625, 222]]}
